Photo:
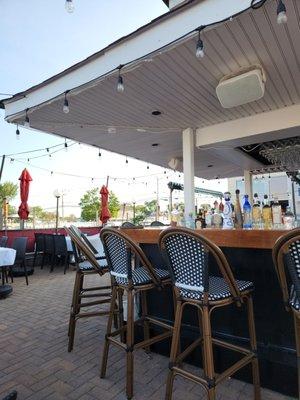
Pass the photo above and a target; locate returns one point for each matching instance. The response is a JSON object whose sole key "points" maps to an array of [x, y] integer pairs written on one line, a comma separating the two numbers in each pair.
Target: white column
{"points": [[188, 147], [248, 184]]}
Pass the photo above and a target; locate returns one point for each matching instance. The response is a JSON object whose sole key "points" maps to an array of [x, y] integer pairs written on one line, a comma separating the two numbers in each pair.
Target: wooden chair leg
{"points": [[74, 309], [129, 343], [208, 354], [121, 314], [174, 350], [297, 335], [108, 331], [253, 344], [145, 323]]}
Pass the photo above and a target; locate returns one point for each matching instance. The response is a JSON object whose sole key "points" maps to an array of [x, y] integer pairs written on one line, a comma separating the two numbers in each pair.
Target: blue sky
{"points": [[38, 39]]}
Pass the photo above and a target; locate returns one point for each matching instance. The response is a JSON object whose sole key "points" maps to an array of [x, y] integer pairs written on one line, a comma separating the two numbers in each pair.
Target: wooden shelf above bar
{"points": [[239, 238]]}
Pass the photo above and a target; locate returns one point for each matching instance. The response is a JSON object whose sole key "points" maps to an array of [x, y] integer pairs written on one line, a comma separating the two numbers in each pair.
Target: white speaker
{"points": [[243, 87]]}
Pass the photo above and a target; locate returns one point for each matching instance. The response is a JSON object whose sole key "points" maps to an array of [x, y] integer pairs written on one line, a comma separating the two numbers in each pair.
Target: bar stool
{"points": [[131, 272], [187, 254], [86, 265], [286, 258]]}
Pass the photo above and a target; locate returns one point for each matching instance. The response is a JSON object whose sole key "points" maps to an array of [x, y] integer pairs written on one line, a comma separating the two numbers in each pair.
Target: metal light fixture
{"points": [[69, 5], [200, 46], [66, 108], [120, 84], [27, 122], [281, 13]]}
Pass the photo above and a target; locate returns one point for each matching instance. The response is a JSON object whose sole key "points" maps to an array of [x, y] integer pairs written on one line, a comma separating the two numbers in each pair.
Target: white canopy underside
{"points": [[182, 87]]}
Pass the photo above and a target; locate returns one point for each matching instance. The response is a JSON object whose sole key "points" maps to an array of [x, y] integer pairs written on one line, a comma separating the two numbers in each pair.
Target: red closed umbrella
{"points": [[105, 214], [25, 180]]}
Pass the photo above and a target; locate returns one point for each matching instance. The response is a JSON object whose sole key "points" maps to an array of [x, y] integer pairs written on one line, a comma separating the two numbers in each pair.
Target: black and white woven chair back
{"points": [[118, 255], [292, 263], [188, 262]]}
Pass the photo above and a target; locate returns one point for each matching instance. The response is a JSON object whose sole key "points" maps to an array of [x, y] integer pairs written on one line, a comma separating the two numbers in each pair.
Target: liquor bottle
{"points": [[208, 218], [217, 219], [238, 218], [276, 213], [267, 213], [256, 212], [227, 212], [288, 219], [221, 206], [247, 213]]}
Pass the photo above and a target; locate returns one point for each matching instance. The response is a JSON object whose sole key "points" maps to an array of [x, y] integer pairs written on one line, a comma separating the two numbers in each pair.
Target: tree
{"points": [[36, 212], [113, 205], [8, 190], [144, 211], [90, 205]]}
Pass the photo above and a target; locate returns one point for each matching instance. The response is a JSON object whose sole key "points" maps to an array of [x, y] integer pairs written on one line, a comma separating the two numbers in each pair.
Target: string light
{"points": [[126, 160], [165, 172], [99, 154], [12, 160], [27, 122], [200, 45], [148, 166], [18, 133], [66, 145], [281, 13], [120, 84], [66, 108], [69, 6], [47, 149]]}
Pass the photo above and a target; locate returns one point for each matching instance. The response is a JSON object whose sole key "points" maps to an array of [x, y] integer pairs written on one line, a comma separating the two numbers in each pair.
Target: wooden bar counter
{"points": [[241, 238], [249, 253]]}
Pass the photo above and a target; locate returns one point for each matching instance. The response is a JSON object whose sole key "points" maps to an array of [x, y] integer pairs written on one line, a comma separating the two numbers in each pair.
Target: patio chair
{"points": [[186, 254], [39, 247], [48, 255], [134, 280], [286, 258], [86, 265], [130, 225], [60, 252], [11, 396], [3, 241], [20, 244]]}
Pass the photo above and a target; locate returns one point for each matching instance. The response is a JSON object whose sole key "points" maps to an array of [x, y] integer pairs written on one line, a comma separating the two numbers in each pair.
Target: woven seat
{"points": [[187, 255], [286, 258], [87, 266], [218, 289], [131, 272], [140, 276]]}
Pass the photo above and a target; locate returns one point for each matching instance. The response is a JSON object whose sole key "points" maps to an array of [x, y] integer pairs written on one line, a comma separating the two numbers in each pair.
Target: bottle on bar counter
{"points": [[289, 219], [276, 214], [247, 213], [238, 217], [227, 212], [267, 213], [256, 212]]}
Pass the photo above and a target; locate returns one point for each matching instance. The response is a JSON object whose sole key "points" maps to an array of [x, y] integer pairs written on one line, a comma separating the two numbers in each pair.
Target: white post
{"points": [[188, 146], [248, 184]]}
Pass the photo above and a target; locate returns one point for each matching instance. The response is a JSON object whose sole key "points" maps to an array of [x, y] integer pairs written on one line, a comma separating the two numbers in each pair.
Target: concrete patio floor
{"points": [[34, 358]]}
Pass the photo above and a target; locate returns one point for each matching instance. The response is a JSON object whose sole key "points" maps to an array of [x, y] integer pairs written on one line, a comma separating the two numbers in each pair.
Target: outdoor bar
{"points": [[249, 253], [215, 114]]}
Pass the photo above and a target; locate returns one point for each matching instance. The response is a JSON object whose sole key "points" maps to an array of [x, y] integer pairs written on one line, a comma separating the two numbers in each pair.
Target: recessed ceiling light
{"points": [[156, 112], [155, 144], [209, 166]]}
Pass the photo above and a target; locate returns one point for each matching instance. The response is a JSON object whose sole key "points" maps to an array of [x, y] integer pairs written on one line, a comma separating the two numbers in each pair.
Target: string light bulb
{"points": [[120, 84], [66, 145], [126, 160], [18, 133], [69, 6], [148, 166], [200, 46], [27, 122], [99, 154], [281, 13], [66, 108]]}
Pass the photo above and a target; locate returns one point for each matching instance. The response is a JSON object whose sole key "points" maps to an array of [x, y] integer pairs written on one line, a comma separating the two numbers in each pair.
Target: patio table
{"points": [[7, 259]]}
